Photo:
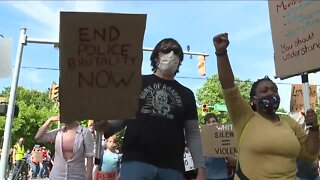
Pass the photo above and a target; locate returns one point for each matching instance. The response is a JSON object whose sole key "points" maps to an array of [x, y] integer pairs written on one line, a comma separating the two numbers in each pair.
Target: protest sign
{"points": [[218, 140], [188, 161], [296, 36], [297, 101], [37, 156], [100, 65], [6, 57]]}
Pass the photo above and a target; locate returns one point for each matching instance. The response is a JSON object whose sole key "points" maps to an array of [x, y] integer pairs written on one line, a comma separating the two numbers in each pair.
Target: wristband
{"points": [[314, 128], [223, 53]]}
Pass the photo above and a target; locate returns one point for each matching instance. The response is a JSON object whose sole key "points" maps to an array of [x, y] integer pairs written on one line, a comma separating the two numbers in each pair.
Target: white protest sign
{"points": [[218, 140], [188, 161], [6, 57], [296, 37]]}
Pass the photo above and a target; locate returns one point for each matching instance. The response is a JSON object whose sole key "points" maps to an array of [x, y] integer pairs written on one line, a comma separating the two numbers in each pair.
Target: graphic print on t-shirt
{"points": [[160, 100]]}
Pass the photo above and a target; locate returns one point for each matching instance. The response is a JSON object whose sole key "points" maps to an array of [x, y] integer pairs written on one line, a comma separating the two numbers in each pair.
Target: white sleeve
{"points": [[88, 143], [194, 143]]}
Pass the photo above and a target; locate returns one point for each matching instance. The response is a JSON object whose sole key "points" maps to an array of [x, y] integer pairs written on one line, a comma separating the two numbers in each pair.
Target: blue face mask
{"points": [[269, 104]]}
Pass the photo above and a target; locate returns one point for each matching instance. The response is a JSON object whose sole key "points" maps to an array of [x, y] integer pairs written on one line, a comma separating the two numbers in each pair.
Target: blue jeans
{"points": [[135, 170], [35, 170], [44, 171]]}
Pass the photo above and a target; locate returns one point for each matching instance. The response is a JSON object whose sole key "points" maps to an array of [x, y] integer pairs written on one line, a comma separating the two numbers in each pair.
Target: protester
{"points": [[73, 144], [110, 156], [17, 156], [268, 144], [36, 159], [10, 160], [154, 141], [217, 168], [44, 171], [308, 170]]}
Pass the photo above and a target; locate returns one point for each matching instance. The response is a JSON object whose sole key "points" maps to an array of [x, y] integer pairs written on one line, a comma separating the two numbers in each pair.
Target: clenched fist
{"points": [[221, 42]]}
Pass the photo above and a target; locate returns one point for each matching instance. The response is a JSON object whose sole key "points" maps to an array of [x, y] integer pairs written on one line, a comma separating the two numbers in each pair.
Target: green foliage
{"points": [[34, 109], [211, 93]]}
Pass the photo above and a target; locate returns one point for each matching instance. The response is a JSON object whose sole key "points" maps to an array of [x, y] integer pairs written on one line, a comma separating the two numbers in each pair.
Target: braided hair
{"points": [[254, 89]]}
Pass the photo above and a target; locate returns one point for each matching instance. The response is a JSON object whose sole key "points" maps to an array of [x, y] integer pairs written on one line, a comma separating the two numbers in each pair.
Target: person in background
{"points": [[17, 156], [10, 159], [73, 144], [308, 170], [110, 156], [267, 144], [44, 171], [217, 168], [35, 161], [154, 140], [49, 160]]}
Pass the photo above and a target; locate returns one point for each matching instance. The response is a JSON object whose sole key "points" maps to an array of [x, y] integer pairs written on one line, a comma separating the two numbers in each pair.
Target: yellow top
{"points": [[267, 150], [19, 152]]}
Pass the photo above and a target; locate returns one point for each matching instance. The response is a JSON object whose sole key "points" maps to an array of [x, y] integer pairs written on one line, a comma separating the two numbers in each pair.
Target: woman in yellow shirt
{"points": [[268, 145]]}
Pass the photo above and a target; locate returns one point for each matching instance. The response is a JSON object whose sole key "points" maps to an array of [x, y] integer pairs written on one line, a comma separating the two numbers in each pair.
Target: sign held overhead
{"points": [[100, 65], [296, 36]]}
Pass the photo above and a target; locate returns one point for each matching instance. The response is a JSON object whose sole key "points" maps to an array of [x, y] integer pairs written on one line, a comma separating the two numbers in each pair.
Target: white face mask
{"points": [[169, 63]]}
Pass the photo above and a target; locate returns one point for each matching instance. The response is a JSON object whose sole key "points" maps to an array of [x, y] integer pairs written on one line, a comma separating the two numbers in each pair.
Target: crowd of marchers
{"points": [[268, 146]]}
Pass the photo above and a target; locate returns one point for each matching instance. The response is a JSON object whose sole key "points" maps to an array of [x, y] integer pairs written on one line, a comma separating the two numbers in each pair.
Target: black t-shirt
{"points": [[156, 136]]}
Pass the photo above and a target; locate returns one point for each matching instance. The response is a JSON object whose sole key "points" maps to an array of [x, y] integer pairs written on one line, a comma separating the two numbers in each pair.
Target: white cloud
{"points": [[38, 11], [47, 13], [42, 13]]}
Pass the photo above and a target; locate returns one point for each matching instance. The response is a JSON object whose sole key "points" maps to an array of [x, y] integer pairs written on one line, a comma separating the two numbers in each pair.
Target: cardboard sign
{"points": [[37, 156], [5, 58], [106, 175], [297, 102], [188, 161], [218, 140], [100, 65], [296, 36]]}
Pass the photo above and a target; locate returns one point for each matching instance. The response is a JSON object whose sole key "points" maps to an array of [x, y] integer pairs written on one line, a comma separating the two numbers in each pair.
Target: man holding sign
{"points": [[154, 141]]}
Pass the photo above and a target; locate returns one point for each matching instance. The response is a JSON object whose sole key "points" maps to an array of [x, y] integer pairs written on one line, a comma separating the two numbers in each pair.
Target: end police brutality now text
{"points": [[102, 48]]}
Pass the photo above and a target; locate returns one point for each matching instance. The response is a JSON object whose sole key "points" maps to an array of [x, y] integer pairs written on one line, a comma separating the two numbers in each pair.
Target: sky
{"points": [[192, 23]]}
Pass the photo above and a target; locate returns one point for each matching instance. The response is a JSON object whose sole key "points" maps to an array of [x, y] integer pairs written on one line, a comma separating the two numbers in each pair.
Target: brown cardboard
{"points": [[297, 102], [100, 65], [218, 140], [296, 36], [37, 156]]}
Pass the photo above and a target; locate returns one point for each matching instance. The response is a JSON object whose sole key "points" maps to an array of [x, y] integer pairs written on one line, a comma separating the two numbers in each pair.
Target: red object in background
{"points": [[106, 175]]}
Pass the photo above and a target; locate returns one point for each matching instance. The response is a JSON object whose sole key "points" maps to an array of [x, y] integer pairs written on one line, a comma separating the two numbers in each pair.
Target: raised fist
{"points": [[221, 42]]}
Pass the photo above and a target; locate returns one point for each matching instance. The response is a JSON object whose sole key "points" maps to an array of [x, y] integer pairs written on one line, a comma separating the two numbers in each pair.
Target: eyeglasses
{"points": [[167, 50]]}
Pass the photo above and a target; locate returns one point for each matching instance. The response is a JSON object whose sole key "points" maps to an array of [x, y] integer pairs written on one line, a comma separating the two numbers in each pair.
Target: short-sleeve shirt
{"points": [[73, 168], [156, 136], [110, 161]]}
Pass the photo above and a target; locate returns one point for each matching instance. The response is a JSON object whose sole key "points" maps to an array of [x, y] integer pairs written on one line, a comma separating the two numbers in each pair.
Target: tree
{"points": [[211, 93], [34, 109]]}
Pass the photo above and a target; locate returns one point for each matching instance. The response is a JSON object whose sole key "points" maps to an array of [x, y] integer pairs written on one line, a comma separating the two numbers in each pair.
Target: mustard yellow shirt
{"points": [[267, 150]]}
